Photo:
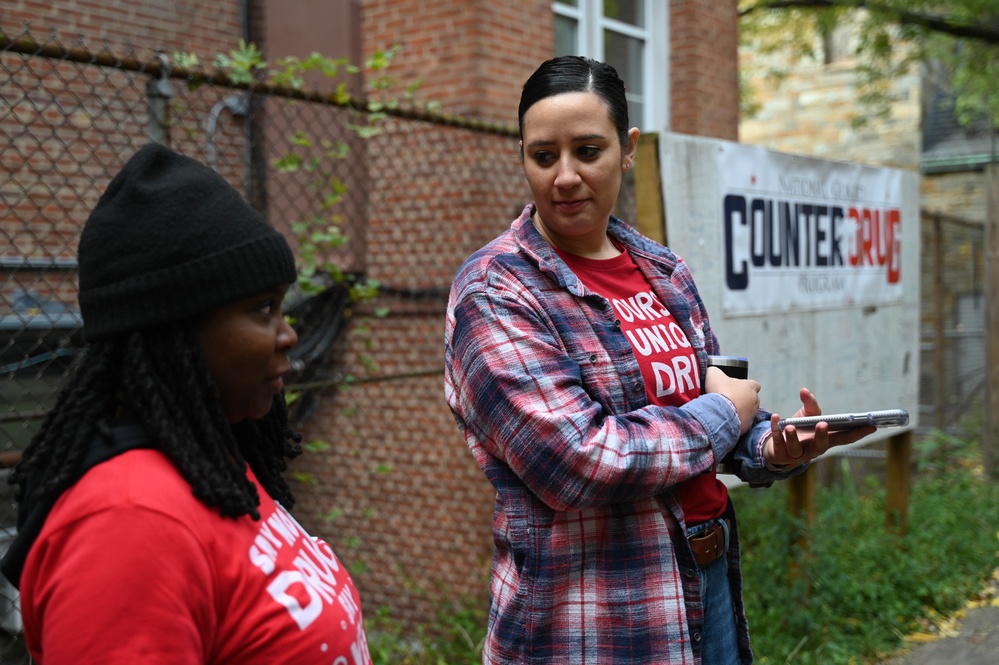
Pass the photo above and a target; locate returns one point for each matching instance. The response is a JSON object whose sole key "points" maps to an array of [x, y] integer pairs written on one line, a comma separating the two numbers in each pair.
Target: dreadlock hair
{"points": [[160, 377]]}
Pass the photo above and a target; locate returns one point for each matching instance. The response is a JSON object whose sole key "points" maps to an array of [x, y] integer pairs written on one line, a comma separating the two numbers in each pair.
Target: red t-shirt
{"points": [[131, 568], [664, 354]]}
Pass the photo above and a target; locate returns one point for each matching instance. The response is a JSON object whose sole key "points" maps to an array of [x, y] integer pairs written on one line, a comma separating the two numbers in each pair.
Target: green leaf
{"points": [[317, 446], [301, 139], [288, 163], [186, 60], [304, 478]]}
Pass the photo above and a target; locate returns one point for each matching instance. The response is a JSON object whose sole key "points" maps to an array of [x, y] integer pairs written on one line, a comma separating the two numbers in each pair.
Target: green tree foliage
{"points": [[959, 37]]}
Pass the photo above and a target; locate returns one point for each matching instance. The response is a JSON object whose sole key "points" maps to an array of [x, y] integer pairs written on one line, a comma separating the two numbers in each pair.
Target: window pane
{"points": [[624, 54], [571, 3], [636, 114], [626, 11], [566, 37]]}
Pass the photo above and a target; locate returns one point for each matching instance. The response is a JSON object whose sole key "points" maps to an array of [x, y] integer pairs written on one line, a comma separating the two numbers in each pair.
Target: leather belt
{"points": [[709, 544]]}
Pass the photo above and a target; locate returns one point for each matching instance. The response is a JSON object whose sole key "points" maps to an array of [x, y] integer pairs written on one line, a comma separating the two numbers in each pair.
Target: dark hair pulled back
{"points": [[573, 73]]}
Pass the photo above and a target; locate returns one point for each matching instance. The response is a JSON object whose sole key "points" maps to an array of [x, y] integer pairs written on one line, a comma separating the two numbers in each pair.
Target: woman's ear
{"points": [[521, 144], [631, 146]]}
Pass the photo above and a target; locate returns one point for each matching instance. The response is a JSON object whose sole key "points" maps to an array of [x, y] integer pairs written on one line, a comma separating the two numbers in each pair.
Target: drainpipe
{"points": [[254, 157]]}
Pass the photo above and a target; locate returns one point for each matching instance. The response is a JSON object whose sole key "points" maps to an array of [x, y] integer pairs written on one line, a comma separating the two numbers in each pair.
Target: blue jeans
{"points": [[720, 643]]}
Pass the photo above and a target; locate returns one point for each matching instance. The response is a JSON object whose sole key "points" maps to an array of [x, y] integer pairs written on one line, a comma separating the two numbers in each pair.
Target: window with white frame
{"points": [[631, 36]]}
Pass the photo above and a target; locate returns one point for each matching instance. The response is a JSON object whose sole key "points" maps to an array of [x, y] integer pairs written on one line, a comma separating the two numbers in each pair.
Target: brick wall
{"points": [[704, 65], [179, 25], [402, 479], [414, 511], [472, 56]]}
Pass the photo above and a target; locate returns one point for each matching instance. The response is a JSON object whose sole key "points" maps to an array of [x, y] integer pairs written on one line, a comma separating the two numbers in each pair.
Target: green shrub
{"points": [[454, 638], [858, 590]]}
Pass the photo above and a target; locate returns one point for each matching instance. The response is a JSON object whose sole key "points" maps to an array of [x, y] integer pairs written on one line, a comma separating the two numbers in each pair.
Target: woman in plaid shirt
{"points": [[576, 354]]}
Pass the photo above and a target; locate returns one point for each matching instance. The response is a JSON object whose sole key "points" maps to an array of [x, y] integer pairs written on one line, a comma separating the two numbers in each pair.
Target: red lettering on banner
{"points": [[877, 240]]}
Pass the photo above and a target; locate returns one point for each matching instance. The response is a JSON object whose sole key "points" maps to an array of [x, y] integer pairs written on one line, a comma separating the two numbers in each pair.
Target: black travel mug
{"points": [[735, 366], [738, 368]]}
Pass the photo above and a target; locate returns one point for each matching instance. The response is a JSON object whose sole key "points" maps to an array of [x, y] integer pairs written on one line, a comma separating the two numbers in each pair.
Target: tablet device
{"points": [[839, 421]]}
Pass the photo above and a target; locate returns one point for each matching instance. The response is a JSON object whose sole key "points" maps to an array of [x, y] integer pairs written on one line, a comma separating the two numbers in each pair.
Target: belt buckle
{"points": [[709, 545]]}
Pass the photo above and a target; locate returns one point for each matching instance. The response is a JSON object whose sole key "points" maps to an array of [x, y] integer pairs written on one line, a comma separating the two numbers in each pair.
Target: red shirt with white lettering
{"points": [[665, 356], [130, 567]]}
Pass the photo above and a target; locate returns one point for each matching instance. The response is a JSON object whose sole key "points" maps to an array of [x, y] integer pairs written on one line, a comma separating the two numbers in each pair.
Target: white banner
{"points": [[807, 234]]}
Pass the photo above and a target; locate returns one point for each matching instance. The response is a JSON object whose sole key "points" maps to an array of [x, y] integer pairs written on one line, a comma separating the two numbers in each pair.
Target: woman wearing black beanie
{"points": [[149, 524]]}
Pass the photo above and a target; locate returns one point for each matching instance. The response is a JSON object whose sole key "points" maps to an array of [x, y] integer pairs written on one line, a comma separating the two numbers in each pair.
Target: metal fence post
{"points": [[159, 92], [990, 431], [941, 387]]}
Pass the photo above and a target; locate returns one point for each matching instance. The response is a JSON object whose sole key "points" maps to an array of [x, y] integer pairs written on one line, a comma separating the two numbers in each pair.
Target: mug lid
{"points": [[728, 361]]}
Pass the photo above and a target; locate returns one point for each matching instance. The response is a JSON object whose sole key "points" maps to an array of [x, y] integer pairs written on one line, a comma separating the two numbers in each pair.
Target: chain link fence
{"points": [[953, 321]]}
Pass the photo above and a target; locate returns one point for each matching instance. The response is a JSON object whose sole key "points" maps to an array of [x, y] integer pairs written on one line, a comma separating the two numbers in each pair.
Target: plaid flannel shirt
{"points": [[591, 563]]}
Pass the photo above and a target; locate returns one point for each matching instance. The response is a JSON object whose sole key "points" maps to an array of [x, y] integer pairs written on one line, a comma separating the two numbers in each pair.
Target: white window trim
{"points": [[655, 59]]}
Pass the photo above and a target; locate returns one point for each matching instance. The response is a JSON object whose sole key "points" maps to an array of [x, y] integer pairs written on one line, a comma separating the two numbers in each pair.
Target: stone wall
{"points": [[813, 111]]}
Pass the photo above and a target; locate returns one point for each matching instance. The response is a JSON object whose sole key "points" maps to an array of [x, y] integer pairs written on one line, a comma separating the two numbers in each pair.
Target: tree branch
{"points": [[902, 16]]}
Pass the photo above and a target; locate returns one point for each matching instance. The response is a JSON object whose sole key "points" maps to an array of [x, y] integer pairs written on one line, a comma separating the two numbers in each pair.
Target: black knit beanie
{"points": [[168, 240]]}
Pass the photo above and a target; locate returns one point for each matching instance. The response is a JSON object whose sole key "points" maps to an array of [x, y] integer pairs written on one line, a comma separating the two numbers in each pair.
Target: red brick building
{"points": [[394, 488]]}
